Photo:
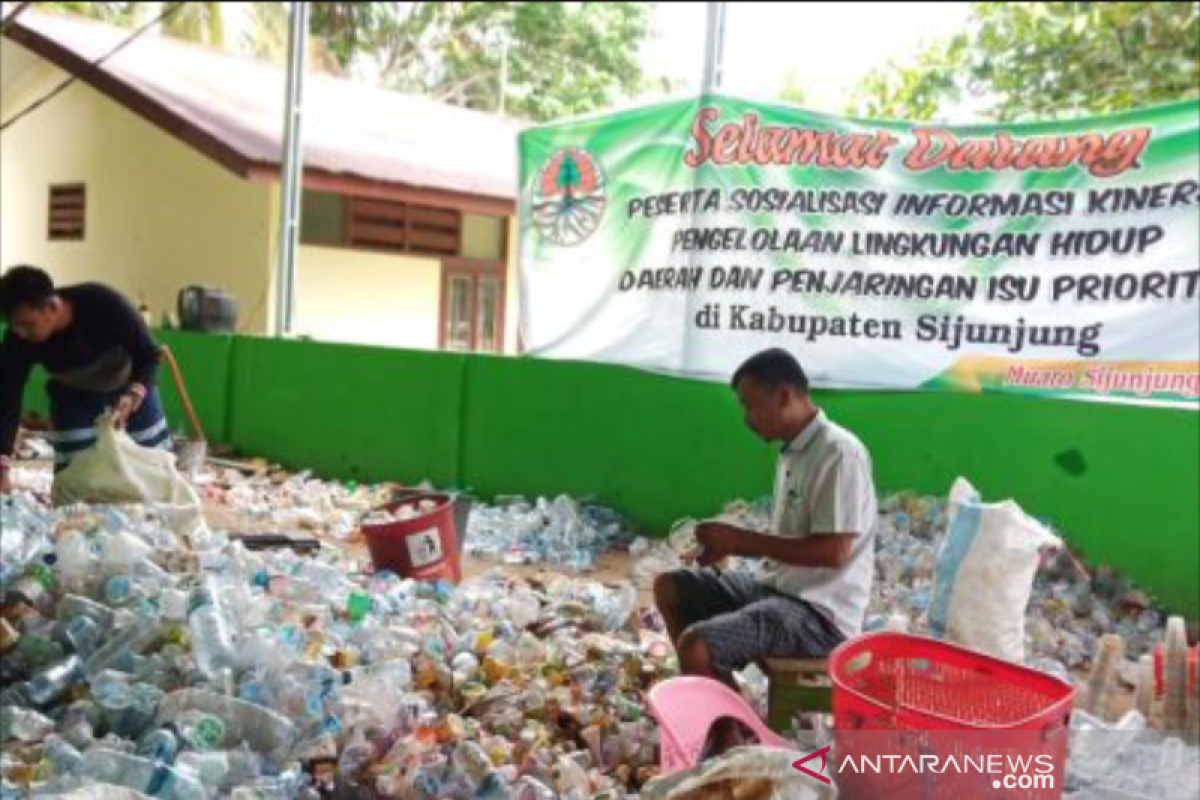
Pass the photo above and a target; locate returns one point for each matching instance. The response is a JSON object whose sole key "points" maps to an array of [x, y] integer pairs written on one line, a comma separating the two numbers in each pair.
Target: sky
{"points": [[828, 47]]}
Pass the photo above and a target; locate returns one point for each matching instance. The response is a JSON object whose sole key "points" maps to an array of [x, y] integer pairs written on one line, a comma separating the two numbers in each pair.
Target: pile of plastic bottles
{"points": [[1071, 607], [177, 664], [141, 651], [559, 532], [1129, 759], [281, 502]]}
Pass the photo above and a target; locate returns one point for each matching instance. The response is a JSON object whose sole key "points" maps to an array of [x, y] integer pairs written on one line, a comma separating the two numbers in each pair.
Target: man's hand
{"points": [[718, 540], [129, 403]]}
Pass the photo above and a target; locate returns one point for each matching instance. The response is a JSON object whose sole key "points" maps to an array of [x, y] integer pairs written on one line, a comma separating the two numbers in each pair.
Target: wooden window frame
{"points": [[398, 228], [474, 268], [66, 212]]}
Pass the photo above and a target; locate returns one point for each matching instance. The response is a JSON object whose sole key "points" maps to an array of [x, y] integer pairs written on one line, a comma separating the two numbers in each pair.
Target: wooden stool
{"points": [[797, 684]]}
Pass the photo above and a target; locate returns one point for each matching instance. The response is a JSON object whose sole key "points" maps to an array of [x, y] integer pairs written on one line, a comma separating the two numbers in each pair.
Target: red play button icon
{"points": [[823, 752]]}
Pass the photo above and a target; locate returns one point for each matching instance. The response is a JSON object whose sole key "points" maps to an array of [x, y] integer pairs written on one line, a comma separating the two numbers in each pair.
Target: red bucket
{"points": [[422, 548]]}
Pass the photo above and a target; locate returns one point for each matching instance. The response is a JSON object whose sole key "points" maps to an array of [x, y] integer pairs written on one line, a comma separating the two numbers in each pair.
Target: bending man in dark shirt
{"points": [[99, 355]]}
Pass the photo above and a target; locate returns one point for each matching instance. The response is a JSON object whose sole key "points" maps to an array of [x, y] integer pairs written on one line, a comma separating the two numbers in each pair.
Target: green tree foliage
{"points": [[538, 61], [548, 59], [793, 91], [1020, 61], [115, 13], [258, 29]]}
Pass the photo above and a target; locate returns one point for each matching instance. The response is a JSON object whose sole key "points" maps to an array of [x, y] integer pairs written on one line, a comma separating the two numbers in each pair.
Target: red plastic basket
{"points": [[909, 695]]}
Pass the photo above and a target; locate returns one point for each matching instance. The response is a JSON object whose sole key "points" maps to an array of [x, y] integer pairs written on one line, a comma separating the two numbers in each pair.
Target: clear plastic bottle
{"points": [[79, 723], [202, 732], [1175, 676], [23, 724], [159, 745], [103, 765], [33, 588], [141, 632], [64, 758], [264, 730], [283, 787], [471, 763], [209, 768], [1193, 710], [81, 635], [73, 605], [222, 768], [1100, 684], [52, 683], [174, 604], [1144, 699], [211, 643], [114, 698], [530, 788]]}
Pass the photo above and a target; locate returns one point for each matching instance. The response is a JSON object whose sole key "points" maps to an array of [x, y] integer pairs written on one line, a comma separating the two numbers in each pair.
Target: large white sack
{"points": [[119, 470], [986, 565]]}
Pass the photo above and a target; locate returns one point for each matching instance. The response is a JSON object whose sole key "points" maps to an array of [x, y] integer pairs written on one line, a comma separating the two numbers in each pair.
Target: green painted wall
{"points": [[1120, 482], [205, 363], [658, 448], [350, 412]]}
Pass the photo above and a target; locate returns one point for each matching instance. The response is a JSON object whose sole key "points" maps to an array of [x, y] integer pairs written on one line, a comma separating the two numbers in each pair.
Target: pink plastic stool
{"points": [[687, 707]]}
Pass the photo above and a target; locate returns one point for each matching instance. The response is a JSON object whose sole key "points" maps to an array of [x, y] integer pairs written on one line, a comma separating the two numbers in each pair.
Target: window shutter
{"points": [[403, 228], [68, 207]]}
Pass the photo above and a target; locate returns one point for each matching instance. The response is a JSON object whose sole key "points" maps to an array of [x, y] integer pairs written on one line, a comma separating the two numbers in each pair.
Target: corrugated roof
{"points": [[231, 107]]}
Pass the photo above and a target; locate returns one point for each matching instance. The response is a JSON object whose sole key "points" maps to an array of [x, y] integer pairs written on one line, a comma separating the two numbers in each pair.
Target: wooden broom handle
{"points": [[183, 392]]}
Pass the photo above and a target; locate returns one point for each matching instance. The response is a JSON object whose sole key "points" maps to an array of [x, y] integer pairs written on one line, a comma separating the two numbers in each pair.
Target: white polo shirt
{"points": [[823, 485]]}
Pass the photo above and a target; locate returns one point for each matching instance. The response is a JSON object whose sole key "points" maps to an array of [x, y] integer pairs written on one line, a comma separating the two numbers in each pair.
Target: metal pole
{"points": [[714, 48], [293, 170]]}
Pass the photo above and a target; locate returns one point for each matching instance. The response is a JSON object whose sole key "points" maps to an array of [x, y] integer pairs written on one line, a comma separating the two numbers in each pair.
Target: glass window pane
{"points": [[322, 217], [483, 237], [489, 315], [458, 313]]}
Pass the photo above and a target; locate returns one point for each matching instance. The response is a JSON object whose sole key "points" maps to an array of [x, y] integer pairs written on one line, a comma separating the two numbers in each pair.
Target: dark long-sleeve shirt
{"points": [[104, 328]]}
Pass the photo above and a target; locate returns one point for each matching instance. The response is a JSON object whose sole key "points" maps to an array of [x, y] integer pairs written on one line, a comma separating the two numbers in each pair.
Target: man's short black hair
{"points": [[24, 286], [771, 368]]}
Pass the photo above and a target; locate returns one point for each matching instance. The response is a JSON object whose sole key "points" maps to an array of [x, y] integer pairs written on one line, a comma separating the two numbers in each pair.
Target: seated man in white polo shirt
{"points": [[819, 554]]}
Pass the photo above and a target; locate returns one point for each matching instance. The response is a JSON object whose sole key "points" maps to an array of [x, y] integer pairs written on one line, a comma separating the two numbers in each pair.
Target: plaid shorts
{"points": [[743, 621]]}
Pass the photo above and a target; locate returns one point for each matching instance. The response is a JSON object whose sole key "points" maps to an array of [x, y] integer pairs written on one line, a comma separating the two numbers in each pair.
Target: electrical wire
{"points": [[34, 106]]}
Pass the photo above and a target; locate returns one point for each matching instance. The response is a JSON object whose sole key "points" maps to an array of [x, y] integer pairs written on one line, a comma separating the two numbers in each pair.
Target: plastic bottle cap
{"points": [[209, 732]]}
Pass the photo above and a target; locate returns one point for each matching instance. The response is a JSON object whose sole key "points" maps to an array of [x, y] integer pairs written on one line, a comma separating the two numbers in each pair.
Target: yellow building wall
{"points": [[160, 216], [360, 297], [482, 237]]}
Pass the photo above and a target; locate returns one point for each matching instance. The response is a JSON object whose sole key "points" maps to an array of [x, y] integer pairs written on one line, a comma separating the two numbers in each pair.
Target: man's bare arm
{"points": [[827, 550]]}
